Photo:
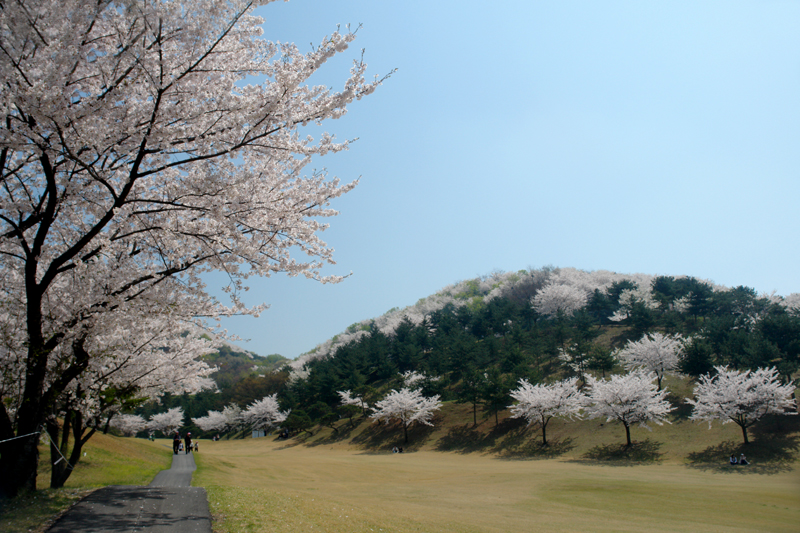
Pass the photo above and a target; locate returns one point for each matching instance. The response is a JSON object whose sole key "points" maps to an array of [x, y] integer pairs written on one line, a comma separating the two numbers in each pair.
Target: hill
{"points": [[473, 341], [544, 325]]}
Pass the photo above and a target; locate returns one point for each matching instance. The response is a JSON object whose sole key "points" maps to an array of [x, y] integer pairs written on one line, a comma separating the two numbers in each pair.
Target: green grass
{"points": [[108, 461]]}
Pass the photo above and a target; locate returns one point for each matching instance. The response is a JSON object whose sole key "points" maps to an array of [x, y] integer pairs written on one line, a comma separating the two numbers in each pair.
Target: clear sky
{"points": [[634, 136]]}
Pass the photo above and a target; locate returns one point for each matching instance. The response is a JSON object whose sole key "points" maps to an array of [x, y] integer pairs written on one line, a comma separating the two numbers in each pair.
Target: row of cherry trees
{"points": [[633, 398], [137, 155]]}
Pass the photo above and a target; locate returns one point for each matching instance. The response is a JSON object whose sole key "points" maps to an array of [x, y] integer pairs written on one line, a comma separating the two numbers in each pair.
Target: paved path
{"points": [[167, 505]]}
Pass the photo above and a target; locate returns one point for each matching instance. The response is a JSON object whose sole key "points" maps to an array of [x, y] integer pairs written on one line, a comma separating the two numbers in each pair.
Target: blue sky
{"points": [[654, 137]]}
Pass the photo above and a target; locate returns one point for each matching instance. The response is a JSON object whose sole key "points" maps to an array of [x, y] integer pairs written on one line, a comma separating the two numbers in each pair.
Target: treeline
{"points": [[241, 378], [487, 334], [481, 349]]}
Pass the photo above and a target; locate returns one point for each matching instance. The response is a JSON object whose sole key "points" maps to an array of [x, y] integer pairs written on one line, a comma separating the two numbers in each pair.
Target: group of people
{"points": [[178, 446], [397, 450], [742, 460]]}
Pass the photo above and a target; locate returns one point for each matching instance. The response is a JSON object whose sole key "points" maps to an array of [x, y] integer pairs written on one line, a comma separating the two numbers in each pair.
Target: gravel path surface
{"points": [[167, 505]]}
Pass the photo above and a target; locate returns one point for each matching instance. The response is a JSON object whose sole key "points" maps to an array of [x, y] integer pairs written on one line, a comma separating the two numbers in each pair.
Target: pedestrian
{"points": [[176, 442], [188, 440]]}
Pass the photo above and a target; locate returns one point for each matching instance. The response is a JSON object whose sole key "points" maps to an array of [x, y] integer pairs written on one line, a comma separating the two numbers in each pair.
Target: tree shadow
{"points": [[775, 448], [343, 432], [638, 453], [465, 439], [682, 410], [383, 437], [534, 449]]}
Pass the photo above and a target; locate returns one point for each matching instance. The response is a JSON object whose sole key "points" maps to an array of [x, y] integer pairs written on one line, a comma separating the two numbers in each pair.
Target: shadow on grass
{"points": [[534, 449], [343, 432], [682, 410], [380, 438], [465, 439], [774, 448], [638, 453]]}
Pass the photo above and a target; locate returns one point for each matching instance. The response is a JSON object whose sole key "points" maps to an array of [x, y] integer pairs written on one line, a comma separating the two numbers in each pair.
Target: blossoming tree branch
{"points": [[134, 157]]}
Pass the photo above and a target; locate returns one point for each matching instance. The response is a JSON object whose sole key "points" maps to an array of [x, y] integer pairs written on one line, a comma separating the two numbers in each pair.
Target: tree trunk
{"points": [[19, 458], [61, 467], [544, 433], [405, 433], [628, 433], [474, 414], [744, 434], [19, 461]]}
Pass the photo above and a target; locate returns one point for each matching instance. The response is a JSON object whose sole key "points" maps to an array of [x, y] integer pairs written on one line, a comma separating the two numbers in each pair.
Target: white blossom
{"points": [[742, 397], [539, 403], [792, 303], [654, 352], [213, 421], [553, 299], [264, 414], [630, 398], [137, 155], [407, 406], [167, 423], [348, 399], [129, 425]]}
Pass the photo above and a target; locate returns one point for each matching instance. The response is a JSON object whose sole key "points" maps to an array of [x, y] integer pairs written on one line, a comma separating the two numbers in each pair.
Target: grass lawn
{"points": [[108, 461], [460, 478]]}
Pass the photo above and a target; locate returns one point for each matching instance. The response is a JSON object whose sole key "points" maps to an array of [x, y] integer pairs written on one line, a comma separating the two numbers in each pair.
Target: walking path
{"points": [[168, 505]]}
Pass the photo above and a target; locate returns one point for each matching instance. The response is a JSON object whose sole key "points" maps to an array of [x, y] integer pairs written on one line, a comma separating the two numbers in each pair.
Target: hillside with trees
{"points": [[499, 343]]}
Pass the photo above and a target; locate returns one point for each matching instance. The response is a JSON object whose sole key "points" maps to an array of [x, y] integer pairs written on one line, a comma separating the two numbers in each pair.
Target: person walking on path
{"points": [[176, 442], [188, 441], [168, 505]]}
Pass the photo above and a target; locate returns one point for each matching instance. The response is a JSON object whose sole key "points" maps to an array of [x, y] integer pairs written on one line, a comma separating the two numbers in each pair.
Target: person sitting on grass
{"points": [[733, 460], [743, 460]]}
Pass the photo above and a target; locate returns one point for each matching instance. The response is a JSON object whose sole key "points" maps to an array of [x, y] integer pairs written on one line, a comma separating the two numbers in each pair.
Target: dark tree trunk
{"points": [[405, 433], [474, 414], [61, 468], [744, 434], [628, 433], [544, 433]]}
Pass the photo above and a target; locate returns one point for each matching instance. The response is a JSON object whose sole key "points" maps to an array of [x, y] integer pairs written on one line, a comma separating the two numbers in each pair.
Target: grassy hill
{"points": [[774, 446]]}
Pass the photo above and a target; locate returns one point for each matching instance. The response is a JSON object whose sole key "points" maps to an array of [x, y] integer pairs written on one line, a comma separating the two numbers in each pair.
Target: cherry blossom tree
{"points": [[742, 397], [407, 406], [264, 414], [347, 398], [131, 359], [129, 425], [628, 398], [167, 423], [213, 421], [654, 352], [135, 157], [538, 404], [554, 299]]}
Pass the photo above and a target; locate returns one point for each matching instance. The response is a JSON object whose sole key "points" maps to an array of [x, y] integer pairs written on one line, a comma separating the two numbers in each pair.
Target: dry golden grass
{"points": [[586, 481]]}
